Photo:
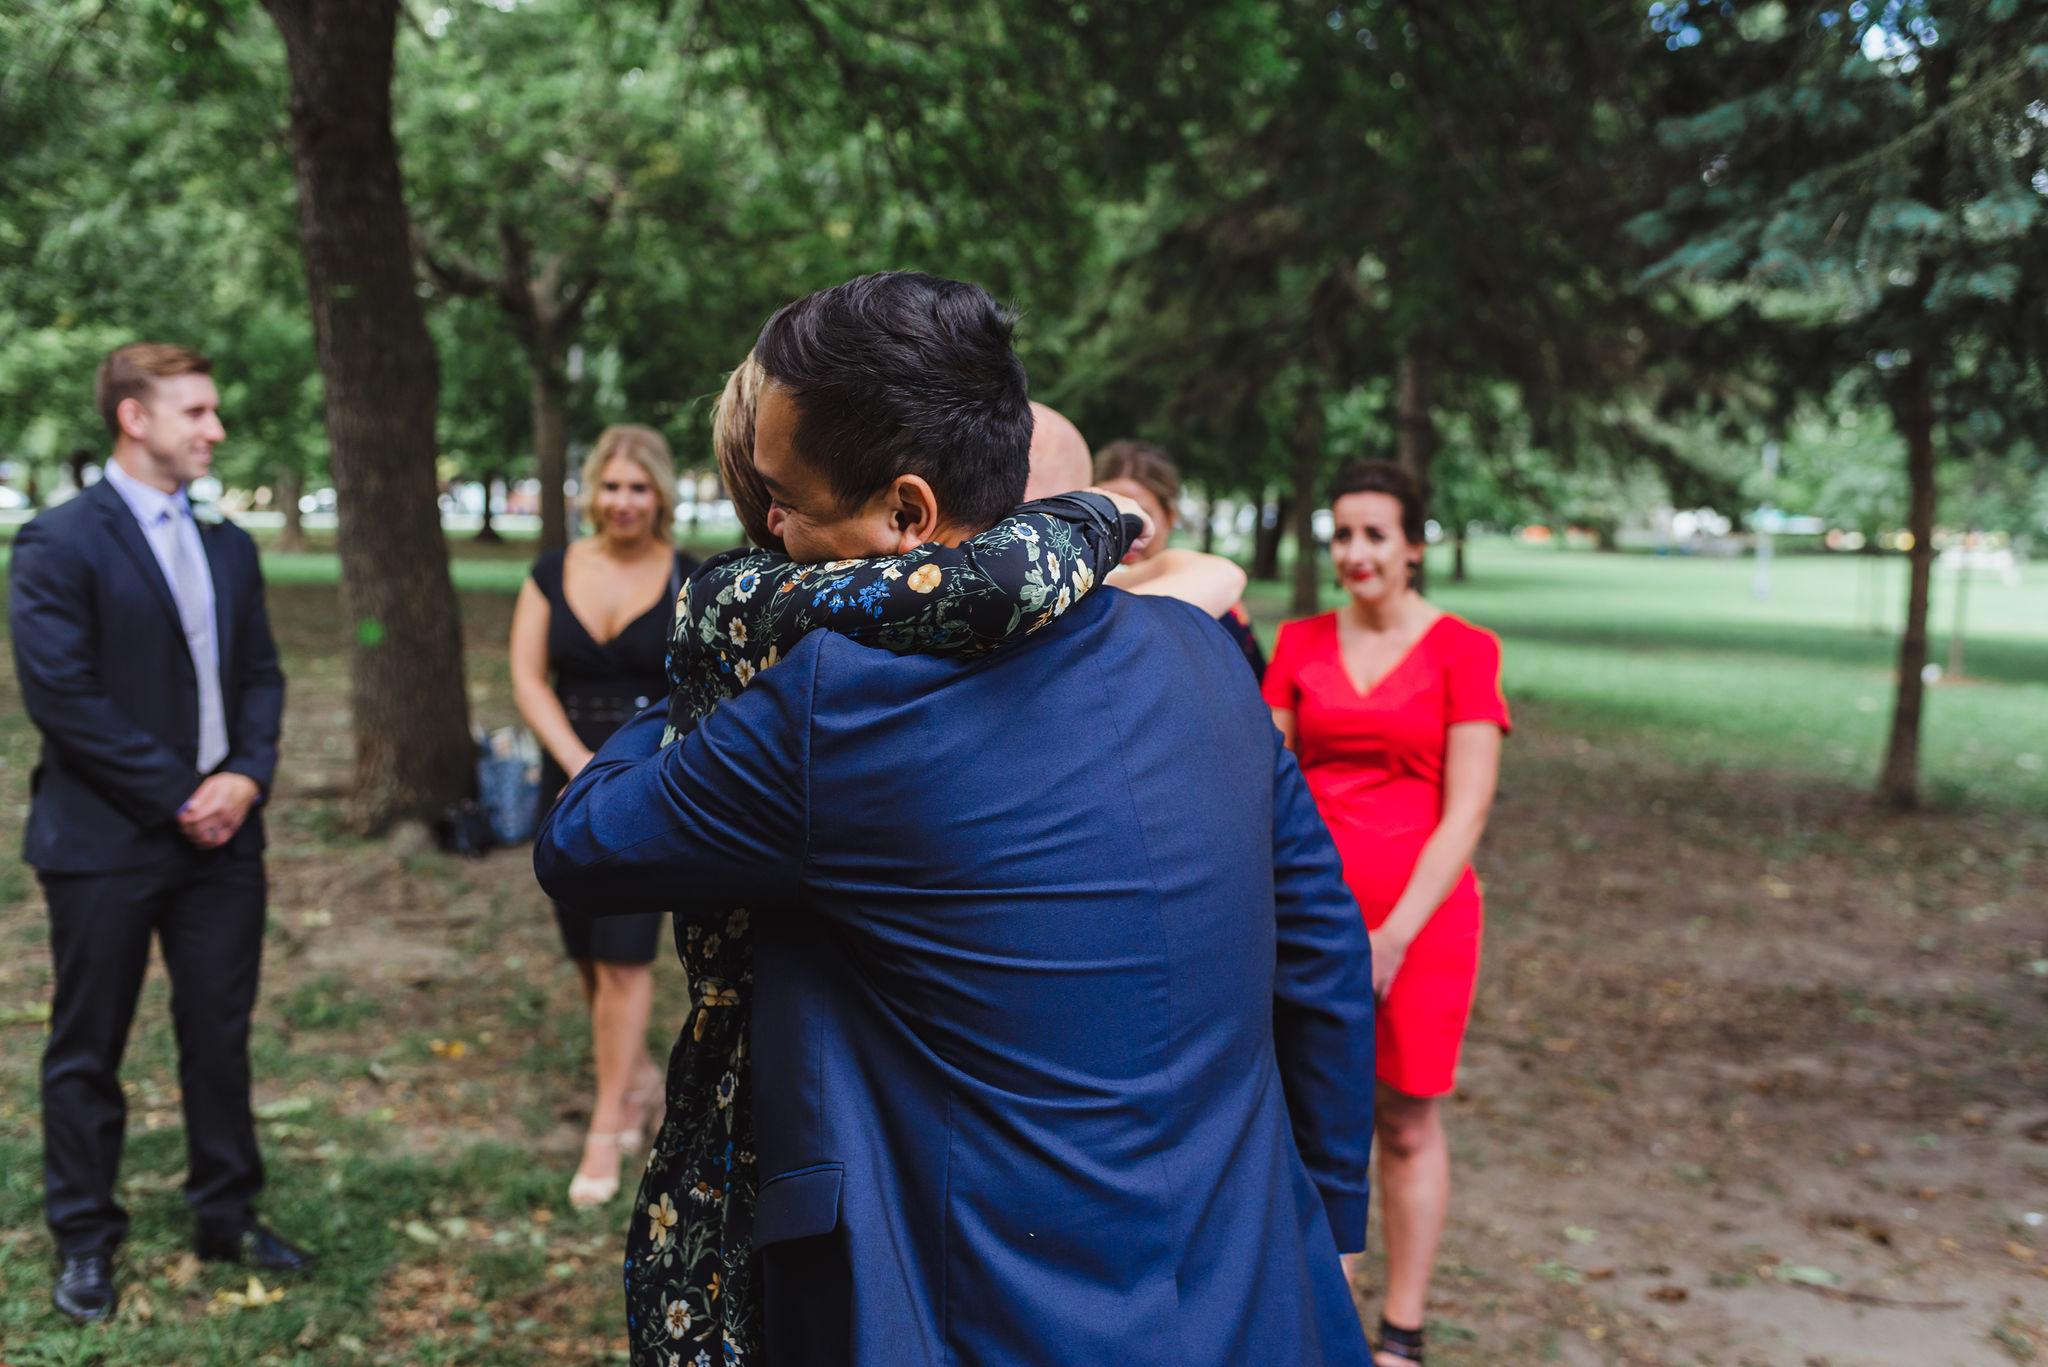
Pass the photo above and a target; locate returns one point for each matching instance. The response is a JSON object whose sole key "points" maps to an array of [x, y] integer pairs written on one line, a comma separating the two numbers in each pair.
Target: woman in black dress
{"points": [[597, 618]]}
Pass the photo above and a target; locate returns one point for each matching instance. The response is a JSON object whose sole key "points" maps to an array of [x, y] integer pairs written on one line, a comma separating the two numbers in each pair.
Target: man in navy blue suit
{"points": [[144, 657], [1063, 1026]]}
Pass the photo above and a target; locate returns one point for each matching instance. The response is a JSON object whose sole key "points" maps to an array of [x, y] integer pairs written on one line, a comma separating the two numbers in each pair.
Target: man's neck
{"points": [[136, 464]]}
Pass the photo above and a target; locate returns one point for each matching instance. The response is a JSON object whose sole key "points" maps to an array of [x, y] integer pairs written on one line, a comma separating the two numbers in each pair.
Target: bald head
{"points": [[1060, 462]]}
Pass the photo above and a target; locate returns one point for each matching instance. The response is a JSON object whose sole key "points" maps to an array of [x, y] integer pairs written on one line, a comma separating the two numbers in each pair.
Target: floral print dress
{"points": [[689, 1294]]}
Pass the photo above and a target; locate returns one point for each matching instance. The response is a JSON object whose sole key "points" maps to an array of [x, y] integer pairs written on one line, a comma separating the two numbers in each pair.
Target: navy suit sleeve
{"points": [[714, 821], [261, 711], [1322, 1004], [50, 611]]}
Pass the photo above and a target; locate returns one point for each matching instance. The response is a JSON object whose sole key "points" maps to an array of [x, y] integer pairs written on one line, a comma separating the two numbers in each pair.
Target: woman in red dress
{"points": [[1395, 711]]}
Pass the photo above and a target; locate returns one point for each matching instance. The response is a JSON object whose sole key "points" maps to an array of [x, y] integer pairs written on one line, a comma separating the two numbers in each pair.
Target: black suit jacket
{"points": [[106, 677]]}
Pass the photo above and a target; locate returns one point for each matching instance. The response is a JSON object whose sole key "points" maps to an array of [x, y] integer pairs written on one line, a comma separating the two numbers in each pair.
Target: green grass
{"points": [[1680, 650]]}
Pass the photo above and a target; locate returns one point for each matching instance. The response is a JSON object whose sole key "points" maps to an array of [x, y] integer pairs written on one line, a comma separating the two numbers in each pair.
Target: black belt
{"points": [[605, 711]]}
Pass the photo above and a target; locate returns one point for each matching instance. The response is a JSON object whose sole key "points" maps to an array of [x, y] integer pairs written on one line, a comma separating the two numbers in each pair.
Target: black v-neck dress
{"points": [[602, 687]]}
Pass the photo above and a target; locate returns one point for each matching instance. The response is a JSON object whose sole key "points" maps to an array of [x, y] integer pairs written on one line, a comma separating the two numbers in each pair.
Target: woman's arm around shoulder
{"points": [[1210, 582]]}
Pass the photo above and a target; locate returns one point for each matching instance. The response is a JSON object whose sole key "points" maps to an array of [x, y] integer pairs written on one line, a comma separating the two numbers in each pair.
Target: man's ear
{"points": [[132, 418], [913, 512]]}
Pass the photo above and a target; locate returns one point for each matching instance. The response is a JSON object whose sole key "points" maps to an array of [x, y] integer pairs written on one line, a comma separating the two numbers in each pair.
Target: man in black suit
{"points": [[144, 656]]}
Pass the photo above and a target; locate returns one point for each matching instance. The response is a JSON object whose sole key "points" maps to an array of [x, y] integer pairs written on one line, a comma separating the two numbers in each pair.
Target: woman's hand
{"points": [[1389, 948], [1130, 505]]}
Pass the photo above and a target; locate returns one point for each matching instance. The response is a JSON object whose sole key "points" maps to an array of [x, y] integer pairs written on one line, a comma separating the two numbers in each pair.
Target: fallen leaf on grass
{"points": [[453, 1049], [1599, 1274], [1579, 1234], [2019, 1250], [421, 1231], [251, 1297], [181, 1272], [1670, 1295], [1806, 1276], [1563, 1274]]}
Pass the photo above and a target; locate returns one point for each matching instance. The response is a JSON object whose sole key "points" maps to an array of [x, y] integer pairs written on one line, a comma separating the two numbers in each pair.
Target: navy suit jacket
{"points": [[106, 677], [1063, 1021]]}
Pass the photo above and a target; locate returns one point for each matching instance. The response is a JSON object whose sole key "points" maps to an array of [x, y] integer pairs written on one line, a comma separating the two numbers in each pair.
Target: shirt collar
{"points": [[149, 505]]}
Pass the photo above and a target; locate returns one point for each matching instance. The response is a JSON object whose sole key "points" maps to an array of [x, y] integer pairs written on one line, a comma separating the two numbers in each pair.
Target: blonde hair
{"points": [[732, 441], [647, 449]]}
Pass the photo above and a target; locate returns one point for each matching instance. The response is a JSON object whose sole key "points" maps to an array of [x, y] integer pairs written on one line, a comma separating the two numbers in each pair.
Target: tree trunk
{"points": [[1900, 784], [1266, 540], [76, 463], [486, 532], [1209, 524], [1416, 438], [551, 444], [1308, 473], [414, 755], [291, 486], [1458, 556]]}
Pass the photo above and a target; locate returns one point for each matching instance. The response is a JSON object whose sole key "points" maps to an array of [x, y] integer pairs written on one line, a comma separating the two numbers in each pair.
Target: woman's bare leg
{"points": [[621, 1002], [1415, 1198]]}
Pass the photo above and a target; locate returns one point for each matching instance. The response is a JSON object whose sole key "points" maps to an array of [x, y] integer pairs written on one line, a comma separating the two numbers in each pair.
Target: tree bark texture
{"points": [[1415, 431], [1307, 441], [1458, 556], [1900, 784], [291, 485], [414, 755]]}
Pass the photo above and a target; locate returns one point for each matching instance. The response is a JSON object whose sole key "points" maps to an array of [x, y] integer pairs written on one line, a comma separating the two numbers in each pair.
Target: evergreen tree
{"points": [[1865, 183]]}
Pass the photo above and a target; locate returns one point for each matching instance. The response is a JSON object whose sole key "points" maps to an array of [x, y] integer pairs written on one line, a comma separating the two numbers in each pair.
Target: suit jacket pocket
{"points": [[798, 1204]]}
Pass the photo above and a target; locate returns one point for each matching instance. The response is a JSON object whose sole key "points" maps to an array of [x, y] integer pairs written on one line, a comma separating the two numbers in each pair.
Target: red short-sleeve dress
{"points": [[1374, 762]]}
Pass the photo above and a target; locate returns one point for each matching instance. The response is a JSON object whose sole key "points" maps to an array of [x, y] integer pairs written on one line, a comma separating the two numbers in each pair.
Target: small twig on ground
{"points": [[1836, 1293]]}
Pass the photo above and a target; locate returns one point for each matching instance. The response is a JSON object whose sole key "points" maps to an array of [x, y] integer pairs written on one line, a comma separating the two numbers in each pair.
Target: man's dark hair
{"points": [[902, 373]]}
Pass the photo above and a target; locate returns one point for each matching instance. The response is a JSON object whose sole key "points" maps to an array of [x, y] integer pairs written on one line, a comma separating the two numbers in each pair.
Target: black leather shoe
{"points": [[85, 1288], [259, 1246]]}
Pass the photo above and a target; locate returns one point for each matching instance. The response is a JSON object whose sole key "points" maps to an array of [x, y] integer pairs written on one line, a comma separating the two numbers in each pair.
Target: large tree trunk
{"points": [[1415, 432], [1900, 784], [414, 755], [1308, 473], [551, 446], [291, 486], [1458, 555]]}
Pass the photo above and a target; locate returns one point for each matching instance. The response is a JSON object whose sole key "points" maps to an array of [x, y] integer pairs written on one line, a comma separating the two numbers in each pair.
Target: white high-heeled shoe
{"points": [[588, 1193]]}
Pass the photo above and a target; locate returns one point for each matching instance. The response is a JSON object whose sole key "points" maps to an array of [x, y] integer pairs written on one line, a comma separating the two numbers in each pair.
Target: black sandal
{"points": [[1405, 1344]]}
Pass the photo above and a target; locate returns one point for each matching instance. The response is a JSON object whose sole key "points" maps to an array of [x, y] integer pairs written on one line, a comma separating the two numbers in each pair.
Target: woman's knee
{"points": [[618, 978], [1408, 1126]]}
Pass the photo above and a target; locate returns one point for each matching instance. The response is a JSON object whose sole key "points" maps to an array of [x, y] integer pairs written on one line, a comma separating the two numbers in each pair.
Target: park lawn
{"points": [[1677, 651]]}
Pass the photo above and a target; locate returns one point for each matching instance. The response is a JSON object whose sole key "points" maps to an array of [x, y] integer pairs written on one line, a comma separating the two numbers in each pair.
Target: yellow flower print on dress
{"points": [[924, 578], [737, 629], [661, 1220], [678, 1317]]}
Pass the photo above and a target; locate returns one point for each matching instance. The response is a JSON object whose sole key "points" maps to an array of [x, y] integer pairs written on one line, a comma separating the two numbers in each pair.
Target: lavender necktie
{"points": [[189, 588]]}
